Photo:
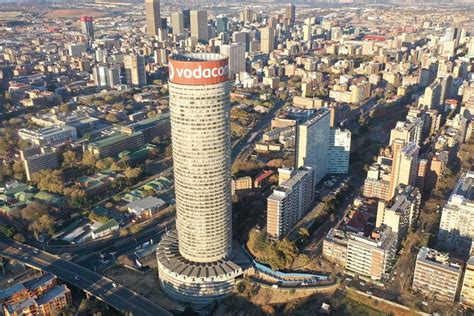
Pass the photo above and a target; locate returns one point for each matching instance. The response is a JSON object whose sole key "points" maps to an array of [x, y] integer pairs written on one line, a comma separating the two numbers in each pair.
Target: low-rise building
{"points": [[51, 136], [111, 146], [436, 275], [242, 183], [146, 206]]}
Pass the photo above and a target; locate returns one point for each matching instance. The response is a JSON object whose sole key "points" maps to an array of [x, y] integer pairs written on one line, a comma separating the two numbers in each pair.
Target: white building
{"points": [[289, 202], [313, 143], [105, 76], [457, 217], [55, 135], [236, 54], [339, 151]]}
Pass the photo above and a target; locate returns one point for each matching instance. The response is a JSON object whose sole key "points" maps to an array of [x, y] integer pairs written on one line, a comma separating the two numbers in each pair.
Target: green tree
{"points": [[19, 170], [44, 224], [89, 159], [132, 173], [69, 158], [112, 117]]}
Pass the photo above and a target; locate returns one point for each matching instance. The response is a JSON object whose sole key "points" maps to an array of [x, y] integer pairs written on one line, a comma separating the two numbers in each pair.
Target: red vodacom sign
{"points": [[198, 72]]}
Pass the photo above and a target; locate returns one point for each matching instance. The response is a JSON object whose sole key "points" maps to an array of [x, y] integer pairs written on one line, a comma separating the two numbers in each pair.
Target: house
{"points": [[146, 206], [105, 229]]}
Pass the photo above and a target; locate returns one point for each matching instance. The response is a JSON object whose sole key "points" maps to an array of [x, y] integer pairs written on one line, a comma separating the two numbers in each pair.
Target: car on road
{"points": [[36, 251], [369, 293], [114, 285], [362, 283], [77, 278], [26, 257]]}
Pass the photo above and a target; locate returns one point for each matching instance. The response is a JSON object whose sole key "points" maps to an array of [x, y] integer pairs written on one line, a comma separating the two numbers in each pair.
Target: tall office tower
{"points": [[153, 21], [408, 131], [339, 151], [199, 27], [87, 28], [236, 54], [313, 138], [242, 37], [246, 15], [457, 218], [221, 24], [290, 13], [186, 18], [177, 23], [135, 70], [404, 165], [267, 39], [307, 33], [193, 261], [105, 76]]}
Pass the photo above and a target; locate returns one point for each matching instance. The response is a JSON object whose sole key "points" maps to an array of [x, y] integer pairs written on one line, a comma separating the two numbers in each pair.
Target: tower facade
{"points": [[153, 20], [193, 261], [87, 28]]}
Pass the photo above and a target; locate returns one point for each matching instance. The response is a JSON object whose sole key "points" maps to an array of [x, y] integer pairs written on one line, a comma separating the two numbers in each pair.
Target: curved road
{"points": [[115, 295]]}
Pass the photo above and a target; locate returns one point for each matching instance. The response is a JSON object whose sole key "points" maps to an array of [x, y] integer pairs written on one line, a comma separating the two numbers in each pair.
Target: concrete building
{"points": [[111, 146], [87, 28], [241, 184], [377, 183], [221, 24], [177, 23], [404, 165], [194, 263], [105, 76], [467, 290], [408, 131], [267, 39], [51, 136], [289, 202], [135, 74], [372, 256], [153, 18], [313, 139], [436, 275], [236, 54], [199, 27], [290, 13], [38, 158], [339, 151], [335, 247], [457, 217], [402, 212]]}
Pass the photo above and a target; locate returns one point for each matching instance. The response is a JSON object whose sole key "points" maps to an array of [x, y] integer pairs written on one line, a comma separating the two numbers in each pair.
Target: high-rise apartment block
{"points": [[135, 74], [153, 18], [177, 23], [289, 202], [313, 143], [408, 131], [339, 151], [193, 261], [38, 158], [457, 217], [374, 255], [199, 27], [467, 291], [402, 212], [105, 76], [236, 54], [436, 275], [267, 39], [111, 146], [404, 165]]}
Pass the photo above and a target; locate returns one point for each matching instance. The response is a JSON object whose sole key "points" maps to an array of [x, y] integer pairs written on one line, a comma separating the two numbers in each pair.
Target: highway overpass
{"points": [[104, 289]]}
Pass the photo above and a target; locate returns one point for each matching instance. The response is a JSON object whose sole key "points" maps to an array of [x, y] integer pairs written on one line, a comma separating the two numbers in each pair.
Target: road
{"points": [[115, 295], [245, 143]]}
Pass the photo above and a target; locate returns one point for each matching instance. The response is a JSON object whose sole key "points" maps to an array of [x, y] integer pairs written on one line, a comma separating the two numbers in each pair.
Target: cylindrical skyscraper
{"points": [[193, 264]]}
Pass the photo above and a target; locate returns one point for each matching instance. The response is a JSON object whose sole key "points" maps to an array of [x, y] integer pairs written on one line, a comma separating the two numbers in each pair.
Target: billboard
{"points": [[202, 72]]}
